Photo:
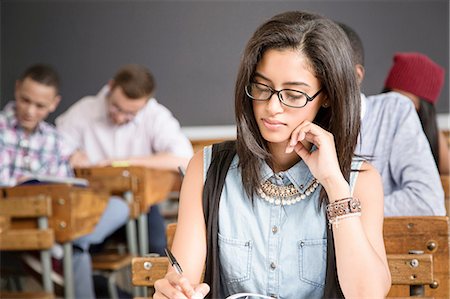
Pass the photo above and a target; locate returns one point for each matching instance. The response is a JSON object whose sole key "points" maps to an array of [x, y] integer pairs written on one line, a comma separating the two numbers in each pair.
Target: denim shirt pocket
{"points": [[312, 261], [235, 259]]}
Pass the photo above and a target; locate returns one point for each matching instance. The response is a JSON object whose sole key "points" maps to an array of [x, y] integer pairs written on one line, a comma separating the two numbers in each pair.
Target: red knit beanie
{"points": [[417, 74]]}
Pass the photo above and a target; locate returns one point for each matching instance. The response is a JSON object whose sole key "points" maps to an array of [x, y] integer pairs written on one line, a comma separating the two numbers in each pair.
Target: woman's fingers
{"points": [[306, 131], [201, 291], [301, 151], [164, 289], [174, 285]]}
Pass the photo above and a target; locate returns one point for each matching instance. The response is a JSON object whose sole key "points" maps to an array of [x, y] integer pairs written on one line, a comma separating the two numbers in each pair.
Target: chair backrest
{"points": [[146, 270], [426, 235], [13, 237], [75, 210]]}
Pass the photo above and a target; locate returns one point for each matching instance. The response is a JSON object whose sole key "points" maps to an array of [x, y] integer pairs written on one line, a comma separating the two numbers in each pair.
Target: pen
{"points": [[173, 261]]}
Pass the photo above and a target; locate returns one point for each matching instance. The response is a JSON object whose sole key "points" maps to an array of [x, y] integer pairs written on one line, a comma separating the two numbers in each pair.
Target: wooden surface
{"points": [[27, 239], [110, 261], [149, 186], [26, 295], [30, 207], [199, 144], [447, 135], [5, 223], [445, 181], [146, 270], [411, 269], [75, 210], [428, 234], [401, 235], [170, 233]]}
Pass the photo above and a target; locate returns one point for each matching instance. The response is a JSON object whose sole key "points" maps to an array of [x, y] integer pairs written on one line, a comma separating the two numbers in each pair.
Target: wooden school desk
{"points": [[74, 213], [141, 187]]}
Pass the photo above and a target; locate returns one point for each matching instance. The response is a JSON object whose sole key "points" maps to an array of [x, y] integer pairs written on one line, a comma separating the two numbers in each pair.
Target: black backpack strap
{"points": [[332, 287], [222, 155]]}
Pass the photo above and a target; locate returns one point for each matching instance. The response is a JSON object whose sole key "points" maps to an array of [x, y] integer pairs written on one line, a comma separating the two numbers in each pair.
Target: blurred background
{"points": [[193, 48]]}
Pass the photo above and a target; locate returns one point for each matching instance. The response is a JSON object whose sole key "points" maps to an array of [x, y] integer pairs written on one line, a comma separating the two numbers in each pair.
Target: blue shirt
{"points": [[269, 249]]}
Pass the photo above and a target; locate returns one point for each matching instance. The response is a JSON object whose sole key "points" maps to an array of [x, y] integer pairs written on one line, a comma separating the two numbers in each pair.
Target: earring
{"points": [[326, 105]]}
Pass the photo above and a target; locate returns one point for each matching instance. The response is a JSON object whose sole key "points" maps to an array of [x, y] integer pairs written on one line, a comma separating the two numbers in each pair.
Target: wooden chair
{"points": [[41, 237], [426, 235], [75, 212], [141, 187]]}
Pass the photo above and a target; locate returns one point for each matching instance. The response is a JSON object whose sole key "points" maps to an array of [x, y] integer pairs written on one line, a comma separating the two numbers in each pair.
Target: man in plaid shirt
{"points": [[30, 146]]}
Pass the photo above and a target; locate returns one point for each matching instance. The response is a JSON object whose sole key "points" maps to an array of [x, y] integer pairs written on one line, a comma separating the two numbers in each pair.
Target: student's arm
{"points": [[189, 244], [79, 159], [359, 243], [414, 171], [165, 133], [358, 240], [444, 155], [71, 123]]}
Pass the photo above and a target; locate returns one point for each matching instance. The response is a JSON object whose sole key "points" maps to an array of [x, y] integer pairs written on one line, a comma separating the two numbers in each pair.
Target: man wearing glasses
{"points": [[124, 124]]}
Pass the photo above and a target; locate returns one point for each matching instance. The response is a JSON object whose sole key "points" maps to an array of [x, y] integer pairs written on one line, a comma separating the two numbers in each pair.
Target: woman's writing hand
{"points": [[175, 285]]}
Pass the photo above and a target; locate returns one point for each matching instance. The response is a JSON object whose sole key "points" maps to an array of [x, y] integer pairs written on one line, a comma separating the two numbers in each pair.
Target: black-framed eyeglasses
{"points": [[289, 97]]}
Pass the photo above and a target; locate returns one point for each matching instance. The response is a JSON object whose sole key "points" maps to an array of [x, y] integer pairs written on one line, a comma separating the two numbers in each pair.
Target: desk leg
{"points": [[132, 237], [132, 245], [143, 241], [46, 261], [46, 271], [69, 291], [143, 234]]}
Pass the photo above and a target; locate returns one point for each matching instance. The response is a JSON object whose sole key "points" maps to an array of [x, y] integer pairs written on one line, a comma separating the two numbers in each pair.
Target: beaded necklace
{"points": [[285, 195]]}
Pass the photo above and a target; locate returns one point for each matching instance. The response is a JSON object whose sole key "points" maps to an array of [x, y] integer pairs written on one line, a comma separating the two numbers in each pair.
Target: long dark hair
{"points": [[328, 50], [427, 116]]}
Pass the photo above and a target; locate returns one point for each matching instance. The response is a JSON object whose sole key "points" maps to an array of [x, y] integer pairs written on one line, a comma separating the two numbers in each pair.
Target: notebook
{"points": [[246, 295], [45, 179]]}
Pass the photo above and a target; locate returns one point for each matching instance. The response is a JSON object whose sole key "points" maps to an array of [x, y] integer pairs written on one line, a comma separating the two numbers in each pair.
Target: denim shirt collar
{"points": [[298, 174]]}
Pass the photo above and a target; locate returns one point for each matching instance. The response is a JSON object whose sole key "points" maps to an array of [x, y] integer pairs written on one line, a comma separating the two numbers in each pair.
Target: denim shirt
{"points": [[269, 249]]}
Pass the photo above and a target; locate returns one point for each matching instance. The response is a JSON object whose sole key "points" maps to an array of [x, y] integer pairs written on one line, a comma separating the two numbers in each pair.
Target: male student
{"points": [[124, 123], [392, 138], [30, 146]]}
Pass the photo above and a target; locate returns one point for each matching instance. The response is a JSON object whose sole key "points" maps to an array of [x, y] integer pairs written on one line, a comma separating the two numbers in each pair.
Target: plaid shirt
{"points": [[40, 153]]}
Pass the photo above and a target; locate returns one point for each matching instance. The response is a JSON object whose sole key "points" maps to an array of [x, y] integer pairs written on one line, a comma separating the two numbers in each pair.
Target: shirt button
{"points": [[274, 229], [23, 143], [273, 266]]}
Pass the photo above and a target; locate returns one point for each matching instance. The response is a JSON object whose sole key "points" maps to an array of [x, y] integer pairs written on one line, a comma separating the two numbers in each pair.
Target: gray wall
{"points": [[193, 47]]}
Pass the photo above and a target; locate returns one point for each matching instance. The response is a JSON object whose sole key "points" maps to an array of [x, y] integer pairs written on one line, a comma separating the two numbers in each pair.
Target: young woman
{"points": [[293, 181]]}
